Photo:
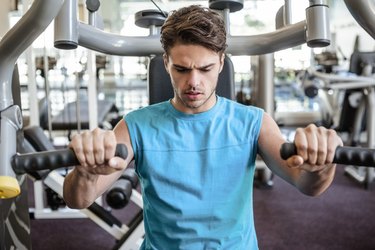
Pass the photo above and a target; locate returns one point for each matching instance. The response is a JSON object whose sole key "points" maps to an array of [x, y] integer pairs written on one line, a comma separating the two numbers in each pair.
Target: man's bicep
{"points": [[269, 143], [122, 136]]}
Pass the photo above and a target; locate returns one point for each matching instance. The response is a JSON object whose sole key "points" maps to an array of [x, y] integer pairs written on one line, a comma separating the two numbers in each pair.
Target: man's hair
{"points": [[195, 25]]}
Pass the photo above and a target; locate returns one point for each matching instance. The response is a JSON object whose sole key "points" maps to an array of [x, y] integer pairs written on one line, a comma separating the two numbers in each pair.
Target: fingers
{"points": [[301, 143], [76, 145], [88, 148], [295, 161], [94, 148], [109, 146], [316, 145], [331, 147]]}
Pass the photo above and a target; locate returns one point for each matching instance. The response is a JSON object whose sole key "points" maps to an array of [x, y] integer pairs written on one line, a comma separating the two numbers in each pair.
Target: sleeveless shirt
{"points": [[196, 173]]}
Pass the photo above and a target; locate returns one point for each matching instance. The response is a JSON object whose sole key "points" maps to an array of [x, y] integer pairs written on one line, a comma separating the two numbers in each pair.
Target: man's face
{"points": [[194, 72]]}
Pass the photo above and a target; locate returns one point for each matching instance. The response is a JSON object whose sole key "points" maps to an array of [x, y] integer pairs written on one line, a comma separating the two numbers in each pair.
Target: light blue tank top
{"points": [[196, 173]]}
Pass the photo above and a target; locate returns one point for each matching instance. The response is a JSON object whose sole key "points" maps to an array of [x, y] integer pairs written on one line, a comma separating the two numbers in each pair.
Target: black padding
{"points": [[119, 195], [104, 215], [130, 175], [67, 118], [38, 139], [24, 147], [358, 61], [159, 82]]}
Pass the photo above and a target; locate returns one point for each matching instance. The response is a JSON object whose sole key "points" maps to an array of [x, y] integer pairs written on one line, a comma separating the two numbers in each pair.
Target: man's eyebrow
{"points": [[203, 67], [180, 66]]}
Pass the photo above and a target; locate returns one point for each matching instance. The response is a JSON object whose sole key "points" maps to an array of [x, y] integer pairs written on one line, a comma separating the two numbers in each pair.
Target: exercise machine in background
{"points": [[357, 112]]}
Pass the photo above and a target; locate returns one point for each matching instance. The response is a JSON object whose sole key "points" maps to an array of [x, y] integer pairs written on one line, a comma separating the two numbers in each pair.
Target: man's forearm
{"points": [[79, 189], [315, 183]]}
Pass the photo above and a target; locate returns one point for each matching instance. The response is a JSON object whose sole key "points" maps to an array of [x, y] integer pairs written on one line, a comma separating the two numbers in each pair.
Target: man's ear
{"points": [[222, 57], [165, 60]]}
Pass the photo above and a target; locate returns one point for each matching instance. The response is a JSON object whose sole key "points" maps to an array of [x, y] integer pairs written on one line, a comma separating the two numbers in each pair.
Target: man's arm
{"points": [[312, 170], [99, 168]]}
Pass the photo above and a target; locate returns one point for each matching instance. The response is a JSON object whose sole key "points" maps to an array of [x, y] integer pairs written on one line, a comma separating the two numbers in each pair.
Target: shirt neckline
{"points": [[199, 116]]}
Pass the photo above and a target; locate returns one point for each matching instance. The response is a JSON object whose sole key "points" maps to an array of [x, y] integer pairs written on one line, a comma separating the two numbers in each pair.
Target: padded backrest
{"points": [[38, 139], [159, 82], [358, 61]]}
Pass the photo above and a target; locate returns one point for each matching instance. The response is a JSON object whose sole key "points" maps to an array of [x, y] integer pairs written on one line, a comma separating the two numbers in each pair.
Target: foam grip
{"points": [[36, 161], [119, 195], [343, 155], [131, 176]]}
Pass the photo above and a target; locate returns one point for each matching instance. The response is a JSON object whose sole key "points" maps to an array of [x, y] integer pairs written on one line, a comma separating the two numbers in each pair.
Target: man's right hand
{"points": [[95, 150]]}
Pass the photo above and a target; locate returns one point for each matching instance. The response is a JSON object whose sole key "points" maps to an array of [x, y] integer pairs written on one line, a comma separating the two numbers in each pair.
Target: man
{"points": [[195, 154]]}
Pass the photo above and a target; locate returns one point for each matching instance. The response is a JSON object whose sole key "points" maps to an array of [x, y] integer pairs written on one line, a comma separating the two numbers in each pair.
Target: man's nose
{"points": [[194, 78]]}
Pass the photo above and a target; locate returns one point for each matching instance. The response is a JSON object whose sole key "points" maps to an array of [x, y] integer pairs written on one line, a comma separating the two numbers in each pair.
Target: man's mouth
{"points": [[193, 94]]}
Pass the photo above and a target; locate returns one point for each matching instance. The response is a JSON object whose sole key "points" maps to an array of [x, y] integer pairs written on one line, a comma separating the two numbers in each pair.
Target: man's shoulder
{"points": [[231, 104], [157, 107]]}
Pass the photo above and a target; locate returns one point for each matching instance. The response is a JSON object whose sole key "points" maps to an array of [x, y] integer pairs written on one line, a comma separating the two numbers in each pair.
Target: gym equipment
{"points": [[15, 223], [53, 179], [32, 162], [53, 182], [354, 118], [67, 119], [231, 6], [69, 33], [343, 155], [53, 159], [150, 19], [120, 193], [363, 13]]}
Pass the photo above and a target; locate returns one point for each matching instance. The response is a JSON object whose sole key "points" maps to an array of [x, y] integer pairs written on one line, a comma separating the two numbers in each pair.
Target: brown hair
{"points": [[194, 25]]}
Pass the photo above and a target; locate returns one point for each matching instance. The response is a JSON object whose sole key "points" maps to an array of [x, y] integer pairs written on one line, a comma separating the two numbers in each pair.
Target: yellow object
{"points": [[9, 187]]}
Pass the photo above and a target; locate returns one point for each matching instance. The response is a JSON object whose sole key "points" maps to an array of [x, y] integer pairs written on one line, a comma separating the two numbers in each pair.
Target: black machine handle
{"points": [[343, 155], [32, 162]]}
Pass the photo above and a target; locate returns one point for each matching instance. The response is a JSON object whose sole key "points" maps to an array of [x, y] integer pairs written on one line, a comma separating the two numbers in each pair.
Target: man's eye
{"points": [[181, 70]]}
